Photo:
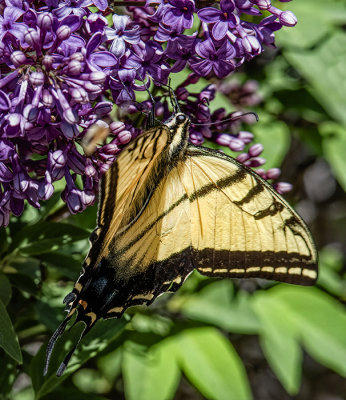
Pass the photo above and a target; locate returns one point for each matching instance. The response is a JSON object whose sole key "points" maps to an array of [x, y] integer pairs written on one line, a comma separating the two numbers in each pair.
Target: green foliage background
{"points": [[214, 339]]}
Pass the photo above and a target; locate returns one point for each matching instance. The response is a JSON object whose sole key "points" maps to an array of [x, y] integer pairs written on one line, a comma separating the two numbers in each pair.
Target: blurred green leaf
{"points": [[91, 381], [8, 337], [334, 145], [142, 367], [44, 237], [110, 364], [23, 283], [102, 334], [319, 320], [317, 19], [327, 79], [65, 264], [216, 304], [5, 289], [212, 365], [275, 138], [279, 341], [46, 314], [331, 261], [71, 393], [8, 374], [3, 240], [86, 219]]}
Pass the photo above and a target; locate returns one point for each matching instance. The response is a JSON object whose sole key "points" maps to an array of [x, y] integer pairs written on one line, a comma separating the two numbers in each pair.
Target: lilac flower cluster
{"points": [[64, 65]]}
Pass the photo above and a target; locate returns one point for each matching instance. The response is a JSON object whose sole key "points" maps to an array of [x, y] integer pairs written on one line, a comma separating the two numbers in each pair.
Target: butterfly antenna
{"points": [[233, 118], [151, 120], [173, 98], [60, 330]]}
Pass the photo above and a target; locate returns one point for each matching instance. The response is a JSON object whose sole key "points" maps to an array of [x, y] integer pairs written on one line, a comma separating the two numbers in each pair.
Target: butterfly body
{"points": [[167, 207]]}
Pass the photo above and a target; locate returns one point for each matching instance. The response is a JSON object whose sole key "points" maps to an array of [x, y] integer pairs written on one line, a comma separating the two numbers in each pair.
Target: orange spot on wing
{"points": [[83, 303]]}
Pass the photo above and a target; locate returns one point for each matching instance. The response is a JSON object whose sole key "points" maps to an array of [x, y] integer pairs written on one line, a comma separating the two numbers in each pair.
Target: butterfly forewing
{"points": [[126, 188], [240, 226]]}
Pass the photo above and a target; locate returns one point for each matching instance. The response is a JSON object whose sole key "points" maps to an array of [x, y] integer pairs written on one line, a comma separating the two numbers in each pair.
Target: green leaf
{"points": [[217, 305], [45, 237], [321, 321], [8, 337], [279, 341], [110, 364], [70, 393], [331, 261], [65, 264], [316, 20], [91, 381], [150, 373], [24, 283], [275, 138], [5, 289], [102, 334], [334, 145], [310, 316], [7, 376], [3, 240], [327, 79], [210, 362]]}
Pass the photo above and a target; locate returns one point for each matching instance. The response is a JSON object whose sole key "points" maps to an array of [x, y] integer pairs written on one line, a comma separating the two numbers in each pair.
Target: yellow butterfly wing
{"points": [[240, 227], [126, 187]]}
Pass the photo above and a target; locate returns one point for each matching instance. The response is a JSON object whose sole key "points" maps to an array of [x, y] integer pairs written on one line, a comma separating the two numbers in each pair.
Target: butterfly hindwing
{"points": [[240, 226]]}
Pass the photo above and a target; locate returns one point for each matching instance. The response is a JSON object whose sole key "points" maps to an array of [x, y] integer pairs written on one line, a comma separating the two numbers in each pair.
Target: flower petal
{"points": [[222, 68], [205, 49], [11, 14], [103, 59], [202, 68], [118, 46], [120, 22], [219, 30], [101, 4], [209, 15], [93, 42]]}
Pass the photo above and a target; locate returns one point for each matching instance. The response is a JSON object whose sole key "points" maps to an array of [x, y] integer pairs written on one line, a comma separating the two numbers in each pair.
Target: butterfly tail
{"points": [[60, 330], [66, 360]]}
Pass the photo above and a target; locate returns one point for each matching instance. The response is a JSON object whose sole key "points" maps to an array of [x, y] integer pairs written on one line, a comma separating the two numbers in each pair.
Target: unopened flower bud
{"points": [[37, 78], [116, 127], [45, 21], [236, 145], [74, 67], [32, 37], [255, 150], [47, 61], [273, 173], [287, 18], [124, 137], [97, 77], [18, 58], [63, 32]]}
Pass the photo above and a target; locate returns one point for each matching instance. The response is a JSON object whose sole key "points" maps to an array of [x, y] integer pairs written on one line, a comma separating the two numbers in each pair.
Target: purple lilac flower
{"points": [[120, 35], [178, 14], [211, 59], [223, 19], [51, 75], [62, 68]]}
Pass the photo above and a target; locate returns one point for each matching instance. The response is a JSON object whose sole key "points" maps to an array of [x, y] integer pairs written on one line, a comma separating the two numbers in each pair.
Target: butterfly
{"points": [[168, 207]]}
